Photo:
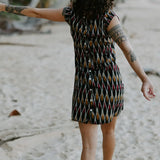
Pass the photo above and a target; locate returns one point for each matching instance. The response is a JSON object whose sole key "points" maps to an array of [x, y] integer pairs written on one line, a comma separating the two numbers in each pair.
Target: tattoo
{"points": [[117, 34], [132, 56], [15, 9]]}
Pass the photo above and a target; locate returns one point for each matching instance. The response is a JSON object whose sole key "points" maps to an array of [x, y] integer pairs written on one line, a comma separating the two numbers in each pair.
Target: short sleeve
{"points": [[67, 13], [108, 17]]}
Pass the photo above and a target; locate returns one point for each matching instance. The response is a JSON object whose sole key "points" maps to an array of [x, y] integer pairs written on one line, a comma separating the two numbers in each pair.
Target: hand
{"points": [[147, 90]]}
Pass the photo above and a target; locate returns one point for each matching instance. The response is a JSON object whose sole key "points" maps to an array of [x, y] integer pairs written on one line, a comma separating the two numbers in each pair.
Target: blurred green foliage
{"points": [[9, 16], [20, 2]]}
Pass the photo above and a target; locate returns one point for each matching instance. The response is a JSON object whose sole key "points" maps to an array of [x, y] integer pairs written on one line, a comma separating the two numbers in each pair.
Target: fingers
{"points": [[152, 92], [144, 91], [145, 94], [148, 92]]}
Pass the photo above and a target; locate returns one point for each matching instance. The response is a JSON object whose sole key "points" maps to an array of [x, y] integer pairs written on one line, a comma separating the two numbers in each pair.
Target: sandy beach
{"points": [[37, 80]]}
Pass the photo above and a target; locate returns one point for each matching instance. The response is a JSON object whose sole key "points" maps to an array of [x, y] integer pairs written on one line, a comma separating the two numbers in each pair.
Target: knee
{"points": [[89, 148], [107, 131]]}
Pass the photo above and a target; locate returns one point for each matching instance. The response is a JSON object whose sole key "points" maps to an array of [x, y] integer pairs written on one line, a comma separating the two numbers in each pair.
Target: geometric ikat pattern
{"points": [[98, 88]]}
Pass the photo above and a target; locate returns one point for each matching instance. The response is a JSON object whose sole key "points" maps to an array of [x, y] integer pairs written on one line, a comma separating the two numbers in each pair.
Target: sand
{"points": [[40, 78]]}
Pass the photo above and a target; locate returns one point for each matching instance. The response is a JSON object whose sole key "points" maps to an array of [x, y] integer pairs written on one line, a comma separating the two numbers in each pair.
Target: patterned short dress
{"points": [[98, 88]]}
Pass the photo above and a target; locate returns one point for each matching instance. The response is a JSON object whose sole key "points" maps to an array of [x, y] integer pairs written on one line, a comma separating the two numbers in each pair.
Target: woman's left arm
{"points": [[116, 33], [46, 13]]}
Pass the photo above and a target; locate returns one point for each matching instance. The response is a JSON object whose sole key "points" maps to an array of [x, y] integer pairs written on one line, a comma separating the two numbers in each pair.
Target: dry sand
{"points": [[41, 79]]}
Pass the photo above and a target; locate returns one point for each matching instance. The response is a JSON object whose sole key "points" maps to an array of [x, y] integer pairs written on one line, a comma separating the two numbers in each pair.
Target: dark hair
{"points": [[90, 9]]}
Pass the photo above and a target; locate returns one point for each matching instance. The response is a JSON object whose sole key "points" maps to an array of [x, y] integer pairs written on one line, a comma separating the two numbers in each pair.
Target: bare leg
{"points": [[89, 140], [108, 139]]}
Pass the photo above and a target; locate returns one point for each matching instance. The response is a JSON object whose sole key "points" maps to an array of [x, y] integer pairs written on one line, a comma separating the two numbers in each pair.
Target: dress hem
{"points": [[90, 122]]}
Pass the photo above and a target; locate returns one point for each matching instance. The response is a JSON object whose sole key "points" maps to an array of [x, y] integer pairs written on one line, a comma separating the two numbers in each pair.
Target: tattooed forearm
{"points": [[132, 56], [117, 34], [15, 9]]}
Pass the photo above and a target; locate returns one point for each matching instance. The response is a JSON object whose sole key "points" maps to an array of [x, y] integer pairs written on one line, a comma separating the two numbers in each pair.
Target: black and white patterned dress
{"points": [[98, 88]]}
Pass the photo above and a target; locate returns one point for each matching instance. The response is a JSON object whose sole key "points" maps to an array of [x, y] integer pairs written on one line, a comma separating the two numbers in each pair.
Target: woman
{"points": [[98, 87]]}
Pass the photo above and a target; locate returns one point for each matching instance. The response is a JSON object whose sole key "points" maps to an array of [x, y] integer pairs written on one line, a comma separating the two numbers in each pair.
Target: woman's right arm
{"points": [[117, 34], [46, 13]]}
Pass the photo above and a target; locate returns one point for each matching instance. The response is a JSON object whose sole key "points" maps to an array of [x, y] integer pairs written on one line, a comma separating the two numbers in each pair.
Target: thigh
{"points": [[109, 127], [89, 134]]}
